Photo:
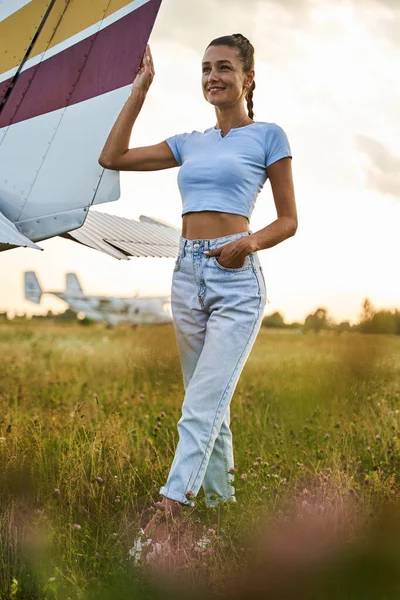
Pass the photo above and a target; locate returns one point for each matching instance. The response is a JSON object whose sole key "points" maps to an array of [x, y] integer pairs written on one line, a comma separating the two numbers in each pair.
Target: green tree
{"points": [[274, 320], [317, 321]]}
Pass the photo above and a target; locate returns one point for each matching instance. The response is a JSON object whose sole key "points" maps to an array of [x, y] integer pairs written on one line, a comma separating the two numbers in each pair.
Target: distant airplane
{"points": [[112, 311], [66, 69]]}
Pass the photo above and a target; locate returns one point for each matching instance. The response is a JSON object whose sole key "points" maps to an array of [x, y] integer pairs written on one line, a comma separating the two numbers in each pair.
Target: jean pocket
{"points": [[177, 265], [246, 266]]}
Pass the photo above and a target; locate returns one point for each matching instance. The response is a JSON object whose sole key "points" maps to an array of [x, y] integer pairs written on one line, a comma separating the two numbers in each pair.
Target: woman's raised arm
{"points": [[116, 154]]}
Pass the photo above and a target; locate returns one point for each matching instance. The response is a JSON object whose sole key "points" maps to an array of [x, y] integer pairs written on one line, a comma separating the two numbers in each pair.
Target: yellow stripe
{"points": [[17, 31]]}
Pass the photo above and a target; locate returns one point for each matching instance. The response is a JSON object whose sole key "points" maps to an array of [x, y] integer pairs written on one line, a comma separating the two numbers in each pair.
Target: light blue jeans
{"points": [[217, 314]]}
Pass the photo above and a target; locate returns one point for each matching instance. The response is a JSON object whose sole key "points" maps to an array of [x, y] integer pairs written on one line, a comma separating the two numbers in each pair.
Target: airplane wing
{"points": [[10, 237], [66, 68], [123, 238]]}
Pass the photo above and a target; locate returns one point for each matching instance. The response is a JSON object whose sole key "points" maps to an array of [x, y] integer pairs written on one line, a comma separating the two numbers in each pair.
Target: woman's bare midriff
{"points": [[208, 224]]}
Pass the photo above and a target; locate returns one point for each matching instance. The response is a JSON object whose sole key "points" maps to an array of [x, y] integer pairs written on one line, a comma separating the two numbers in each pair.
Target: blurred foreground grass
{"points": [[87, 434]]}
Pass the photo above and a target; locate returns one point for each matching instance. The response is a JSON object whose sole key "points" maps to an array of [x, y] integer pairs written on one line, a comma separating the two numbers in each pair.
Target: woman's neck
{"points": [[227, 121]]}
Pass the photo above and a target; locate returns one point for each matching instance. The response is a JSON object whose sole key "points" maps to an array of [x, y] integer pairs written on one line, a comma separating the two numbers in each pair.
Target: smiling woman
{"points": [[218, 288]]}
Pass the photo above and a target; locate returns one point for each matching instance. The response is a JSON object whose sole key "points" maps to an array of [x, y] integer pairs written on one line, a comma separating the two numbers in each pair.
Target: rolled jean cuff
{"points": [[177, 496]]}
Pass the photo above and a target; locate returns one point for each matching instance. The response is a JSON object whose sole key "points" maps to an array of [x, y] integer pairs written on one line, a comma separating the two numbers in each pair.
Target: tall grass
{"points": [[88, 432]]}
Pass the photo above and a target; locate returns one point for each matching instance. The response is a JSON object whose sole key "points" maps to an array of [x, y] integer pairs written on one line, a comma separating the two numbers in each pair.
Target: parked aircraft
{"points": [[102, 308], [66, 70]]}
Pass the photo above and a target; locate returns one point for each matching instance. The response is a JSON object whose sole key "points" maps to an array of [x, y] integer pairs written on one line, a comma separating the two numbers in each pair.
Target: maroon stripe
{"points": [[101, 63], [3, 88]]}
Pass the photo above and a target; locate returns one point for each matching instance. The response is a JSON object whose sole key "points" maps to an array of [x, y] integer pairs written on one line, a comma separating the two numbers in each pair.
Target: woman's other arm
{"points": [[285, 226]]}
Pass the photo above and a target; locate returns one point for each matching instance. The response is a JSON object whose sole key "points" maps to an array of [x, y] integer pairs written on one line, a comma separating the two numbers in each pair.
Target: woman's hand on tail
{"points": [[233, 255], [145, 73]]}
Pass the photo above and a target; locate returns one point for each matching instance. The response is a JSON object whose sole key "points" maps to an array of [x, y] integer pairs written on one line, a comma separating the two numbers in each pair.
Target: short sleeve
{"points": [[176, 143], [277, 145]]}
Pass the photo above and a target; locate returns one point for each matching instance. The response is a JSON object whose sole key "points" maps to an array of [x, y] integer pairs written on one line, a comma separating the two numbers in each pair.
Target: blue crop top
{"points": [[226, 174]]}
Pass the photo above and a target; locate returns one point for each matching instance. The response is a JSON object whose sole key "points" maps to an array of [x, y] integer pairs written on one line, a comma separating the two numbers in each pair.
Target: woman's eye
{"points": [[205, 69]]}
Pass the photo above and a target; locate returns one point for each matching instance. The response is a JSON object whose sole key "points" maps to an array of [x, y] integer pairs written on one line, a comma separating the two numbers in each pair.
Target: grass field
{"points": [[315, 420]]}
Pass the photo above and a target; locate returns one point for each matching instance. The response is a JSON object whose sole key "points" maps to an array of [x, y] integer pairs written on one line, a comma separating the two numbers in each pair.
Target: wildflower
{"points": [[263, 488], [158, 423], [211, 531], [243, 476], [377, 437], [232, 471], [327, 436], [99, 480], [162, 415], [76, 526], [156, 429], [117, 499], [297, 444], [259, 459], [158, 504], [56, 493], [276, 426], [369, 449], [189, 494], [141, 395]]}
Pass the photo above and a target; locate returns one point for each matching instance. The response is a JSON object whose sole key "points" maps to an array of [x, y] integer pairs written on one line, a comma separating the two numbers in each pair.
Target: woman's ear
{"points": [[249, 79]]}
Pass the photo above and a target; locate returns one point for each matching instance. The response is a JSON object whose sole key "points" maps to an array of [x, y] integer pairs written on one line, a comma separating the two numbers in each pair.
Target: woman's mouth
{"points": [[214, 90]]}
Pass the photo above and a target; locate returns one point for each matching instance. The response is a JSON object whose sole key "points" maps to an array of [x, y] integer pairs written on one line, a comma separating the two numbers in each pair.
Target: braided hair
{"points": [[246, 54]]}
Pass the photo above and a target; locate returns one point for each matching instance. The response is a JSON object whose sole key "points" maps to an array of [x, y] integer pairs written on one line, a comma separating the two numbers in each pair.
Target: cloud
{"points": [[382, 17], [383, 172], [265, 22]]}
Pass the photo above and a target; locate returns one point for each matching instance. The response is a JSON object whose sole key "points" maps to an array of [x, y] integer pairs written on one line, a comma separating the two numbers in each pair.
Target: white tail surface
{"points": [[33, 291], [72, 285]]}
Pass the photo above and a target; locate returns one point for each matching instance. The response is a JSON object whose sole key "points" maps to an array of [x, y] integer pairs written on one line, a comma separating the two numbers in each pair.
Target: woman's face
{"points": [[223, 78]]}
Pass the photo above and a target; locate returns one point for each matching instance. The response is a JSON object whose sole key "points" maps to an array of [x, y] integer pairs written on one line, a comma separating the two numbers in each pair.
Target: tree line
{"points": [[370, 321]]}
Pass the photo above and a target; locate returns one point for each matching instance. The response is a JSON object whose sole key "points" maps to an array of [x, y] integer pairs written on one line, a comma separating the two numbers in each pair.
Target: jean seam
{"points": [[226, 390], [226, 467]]}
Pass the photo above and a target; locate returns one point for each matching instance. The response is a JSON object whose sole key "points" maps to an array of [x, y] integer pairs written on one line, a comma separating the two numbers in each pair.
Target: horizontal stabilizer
{"points": [[10, 237], [123, 238]]}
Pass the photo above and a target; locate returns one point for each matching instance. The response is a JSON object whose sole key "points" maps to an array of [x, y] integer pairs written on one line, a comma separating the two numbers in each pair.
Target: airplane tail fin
{"points": [[72, 285], [33, 291]]}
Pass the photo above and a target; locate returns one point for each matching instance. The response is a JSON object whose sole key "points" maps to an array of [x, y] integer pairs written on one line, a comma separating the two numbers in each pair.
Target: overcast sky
{"points": [[327, 72]]}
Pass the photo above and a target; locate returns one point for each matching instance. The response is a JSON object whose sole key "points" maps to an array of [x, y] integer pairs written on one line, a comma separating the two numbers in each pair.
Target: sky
{"points": [[327, 72]]}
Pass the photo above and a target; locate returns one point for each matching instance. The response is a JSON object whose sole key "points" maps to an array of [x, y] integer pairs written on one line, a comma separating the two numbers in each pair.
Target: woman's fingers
{"points": [[145, 73], [149, 58]]}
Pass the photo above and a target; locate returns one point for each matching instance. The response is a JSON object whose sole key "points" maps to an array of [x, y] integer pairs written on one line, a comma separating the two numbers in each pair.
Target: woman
{"points": [[218, 289]]}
